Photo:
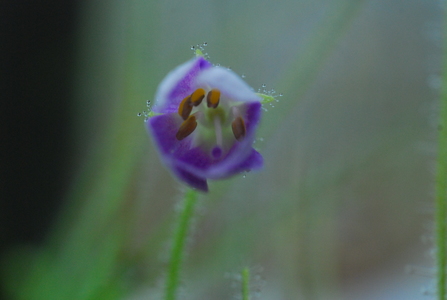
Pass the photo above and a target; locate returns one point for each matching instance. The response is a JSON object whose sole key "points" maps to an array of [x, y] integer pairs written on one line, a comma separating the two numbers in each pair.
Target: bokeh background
{"points": [[342, 210]]}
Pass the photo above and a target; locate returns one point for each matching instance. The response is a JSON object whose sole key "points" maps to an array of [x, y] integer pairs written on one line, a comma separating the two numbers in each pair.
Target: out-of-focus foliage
{"points": [[347, 181]]}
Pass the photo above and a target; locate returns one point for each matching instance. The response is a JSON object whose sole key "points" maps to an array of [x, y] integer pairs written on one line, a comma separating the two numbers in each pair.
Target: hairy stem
{"points": [[178, 247], [441, 189], [246, 284]]}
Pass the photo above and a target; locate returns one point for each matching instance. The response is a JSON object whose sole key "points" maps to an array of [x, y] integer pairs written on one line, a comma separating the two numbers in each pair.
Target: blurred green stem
{"points": [[178, 247], [441, 187], [245, 284], [303, 71]]}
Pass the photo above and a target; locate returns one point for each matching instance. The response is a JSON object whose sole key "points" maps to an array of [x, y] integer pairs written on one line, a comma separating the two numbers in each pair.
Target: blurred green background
{"points": [[343, 205]]}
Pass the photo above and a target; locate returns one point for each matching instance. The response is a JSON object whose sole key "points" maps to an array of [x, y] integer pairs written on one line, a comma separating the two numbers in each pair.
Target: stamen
{"points": [[185, 108], [197, 97], [213, 98], [186, 128], [238, 126], [216, 152], [218, 130]]}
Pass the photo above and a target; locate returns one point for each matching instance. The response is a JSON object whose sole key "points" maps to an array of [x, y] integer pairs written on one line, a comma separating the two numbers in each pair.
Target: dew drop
{"points": [[264, 85], [217, 65], [243, 75], [145, 119], [193, 47], [280, 94], [244, 176], [205, 44], [261, 139], [139, 114]]}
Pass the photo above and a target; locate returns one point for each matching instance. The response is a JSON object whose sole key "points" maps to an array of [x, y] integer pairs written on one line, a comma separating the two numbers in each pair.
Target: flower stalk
{"points": [[245, 284], [179, 242], [441, 190]]}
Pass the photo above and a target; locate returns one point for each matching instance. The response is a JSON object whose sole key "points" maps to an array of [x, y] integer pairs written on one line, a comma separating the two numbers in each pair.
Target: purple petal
{"points": [[240, 151], [163, 129], [191, 179], [178, 84], [187, 163], [195, 160], [253, 162]]}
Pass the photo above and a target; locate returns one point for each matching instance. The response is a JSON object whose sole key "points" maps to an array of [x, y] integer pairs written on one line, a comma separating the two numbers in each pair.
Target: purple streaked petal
{"points": [[191, 179], [229, 84], [240, 150], [253, 162], [178, 84], [194, 160], [176, 153], [163, 129]]}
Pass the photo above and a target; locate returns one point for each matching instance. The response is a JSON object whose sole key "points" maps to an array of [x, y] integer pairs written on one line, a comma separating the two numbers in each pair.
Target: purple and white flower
{"points": [[204, 123]]}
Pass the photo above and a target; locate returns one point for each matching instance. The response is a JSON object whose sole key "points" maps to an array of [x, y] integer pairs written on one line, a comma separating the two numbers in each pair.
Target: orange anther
{"points": [[213, 98], [188, 126], [197, 97], [238, 126], [185, 108]]}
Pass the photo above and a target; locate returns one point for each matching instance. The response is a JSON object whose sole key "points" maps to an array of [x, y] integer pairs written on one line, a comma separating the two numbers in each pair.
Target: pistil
{"points": [[218, 130]]}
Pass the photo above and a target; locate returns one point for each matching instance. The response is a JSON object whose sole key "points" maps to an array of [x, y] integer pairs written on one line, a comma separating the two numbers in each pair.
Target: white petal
{"points": [[229, 84]]}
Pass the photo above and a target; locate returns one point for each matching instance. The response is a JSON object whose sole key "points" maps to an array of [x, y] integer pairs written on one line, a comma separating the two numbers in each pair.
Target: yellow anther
{"points": [[213, 98], [185, 108], [238, 126], [197, 97], [188, 126]]}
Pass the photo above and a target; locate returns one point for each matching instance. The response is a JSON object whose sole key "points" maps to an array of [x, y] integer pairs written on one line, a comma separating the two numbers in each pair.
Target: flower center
{"points": [[213, 114]]}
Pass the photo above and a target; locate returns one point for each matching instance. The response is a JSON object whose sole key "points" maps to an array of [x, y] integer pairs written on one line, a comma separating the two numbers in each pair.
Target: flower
{"points": [[204, 123]]}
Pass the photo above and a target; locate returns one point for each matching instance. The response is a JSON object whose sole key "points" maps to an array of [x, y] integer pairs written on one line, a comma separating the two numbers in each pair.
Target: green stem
{"points": [[441, 189], [303, 71], [246, 284], [178, 247]]}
